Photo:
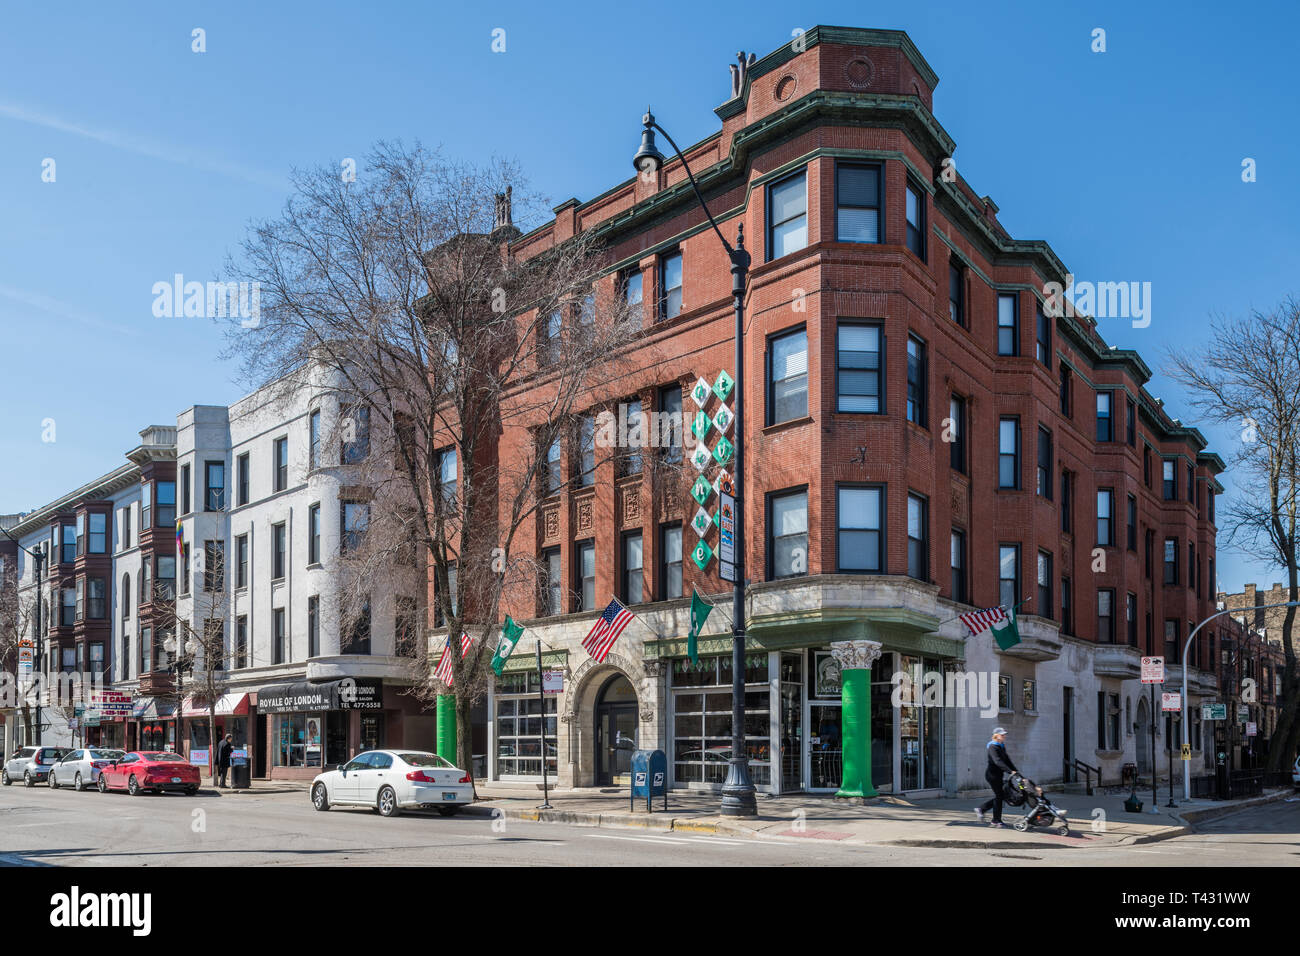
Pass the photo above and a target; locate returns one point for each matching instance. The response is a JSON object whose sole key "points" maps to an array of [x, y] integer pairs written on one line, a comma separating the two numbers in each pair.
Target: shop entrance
{"points": [[616, 728]]}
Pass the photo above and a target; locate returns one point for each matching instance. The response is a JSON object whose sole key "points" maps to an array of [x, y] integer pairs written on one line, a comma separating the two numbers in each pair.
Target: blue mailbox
{"points": [[649, 777]]}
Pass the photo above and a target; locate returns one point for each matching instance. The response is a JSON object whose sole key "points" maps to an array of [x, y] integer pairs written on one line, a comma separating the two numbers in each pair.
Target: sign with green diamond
{"points": [[723, 418], [701, 491], [723, 449], [702, 555], [700, 392], [701, 522], [700, 425], [700, 458], [723, 386]]}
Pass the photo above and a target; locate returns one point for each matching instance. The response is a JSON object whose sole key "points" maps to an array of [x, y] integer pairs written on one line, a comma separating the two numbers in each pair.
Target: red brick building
{"points": [[920, 439]]}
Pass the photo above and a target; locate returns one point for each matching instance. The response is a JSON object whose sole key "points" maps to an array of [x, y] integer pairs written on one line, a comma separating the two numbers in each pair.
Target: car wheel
{"points": [[54, 784], [387, 803], [133, 786], [4, 778], [103, 784], [191, 791], [448, 811], [77, 783], [320, 797], [27, 779]]}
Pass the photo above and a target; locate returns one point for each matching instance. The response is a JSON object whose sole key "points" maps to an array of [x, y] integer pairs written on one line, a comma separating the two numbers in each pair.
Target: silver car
{"points": [[31, 765], [80, 768]]}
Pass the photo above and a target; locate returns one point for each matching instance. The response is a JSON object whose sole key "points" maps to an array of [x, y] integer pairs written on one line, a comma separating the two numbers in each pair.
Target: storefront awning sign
{"points": [[346, 694], [228, 705]]}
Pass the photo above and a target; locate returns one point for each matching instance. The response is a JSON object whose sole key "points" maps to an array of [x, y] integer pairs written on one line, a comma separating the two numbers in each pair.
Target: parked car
{"points": [[154, 770], [388, 780], [31, 765], [1295, 773], [80, 769]]}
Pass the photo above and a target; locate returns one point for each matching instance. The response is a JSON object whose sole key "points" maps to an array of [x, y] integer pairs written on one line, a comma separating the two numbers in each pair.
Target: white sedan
{"points": [[388, 780], [79, 769]]}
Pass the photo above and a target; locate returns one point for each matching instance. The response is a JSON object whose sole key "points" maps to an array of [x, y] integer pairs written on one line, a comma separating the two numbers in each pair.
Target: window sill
{"points": [[1030, 713], [314, 565], [791, 423]]}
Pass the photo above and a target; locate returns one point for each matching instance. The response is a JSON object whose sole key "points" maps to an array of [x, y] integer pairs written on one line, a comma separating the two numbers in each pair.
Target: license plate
{"points": [[448, 796], [176, 779]]}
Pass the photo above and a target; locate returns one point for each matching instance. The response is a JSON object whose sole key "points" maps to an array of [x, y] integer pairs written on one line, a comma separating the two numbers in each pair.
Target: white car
{"points": [[388, 780], [1295, 773], [79, 769]]}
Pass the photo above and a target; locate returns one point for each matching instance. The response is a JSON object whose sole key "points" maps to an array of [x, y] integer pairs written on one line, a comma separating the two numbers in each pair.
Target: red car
{"points": [[149, 770]]}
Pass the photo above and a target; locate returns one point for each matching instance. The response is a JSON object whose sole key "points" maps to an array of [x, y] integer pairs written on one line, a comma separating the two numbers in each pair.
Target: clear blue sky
{"points": [[1128, 162]]}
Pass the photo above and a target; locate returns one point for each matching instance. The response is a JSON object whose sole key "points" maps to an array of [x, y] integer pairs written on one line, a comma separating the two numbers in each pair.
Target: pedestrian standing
{"points": [[223, 760], [999, 763]]}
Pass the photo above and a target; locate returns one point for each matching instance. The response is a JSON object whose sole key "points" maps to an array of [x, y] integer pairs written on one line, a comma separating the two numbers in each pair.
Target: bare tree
{"points": [[17, 617], [200, 637], [1248, 378], [405, 286]]}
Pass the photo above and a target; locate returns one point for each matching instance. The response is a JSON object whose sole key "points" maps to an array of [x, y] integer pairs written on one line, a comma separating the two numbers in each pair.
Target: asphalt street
{"points": [[40, 827]]}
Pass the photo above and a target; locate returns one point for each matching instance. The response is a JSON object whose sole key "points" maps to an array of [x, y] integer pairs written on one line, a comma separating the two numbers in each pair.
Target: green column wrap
{"points": [[447, 727], [855, 690]]}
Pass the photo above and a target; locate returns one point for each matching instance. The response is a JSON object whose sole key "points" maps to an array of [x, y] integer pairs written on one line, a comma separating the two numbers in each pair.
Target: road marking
{"points": [[602, 836]]}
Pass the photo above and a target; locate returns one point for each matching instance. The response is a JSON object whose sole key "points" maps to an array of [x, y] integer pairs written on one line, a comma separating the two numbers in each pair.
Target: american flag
{"points": [[443, 671], [600, 639], [981, 621]]}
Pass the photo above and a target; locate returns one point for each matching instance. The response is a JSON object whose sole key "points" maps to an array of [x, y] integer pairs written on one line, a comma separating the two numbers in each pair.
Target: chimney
{"points": [[502, 218]]}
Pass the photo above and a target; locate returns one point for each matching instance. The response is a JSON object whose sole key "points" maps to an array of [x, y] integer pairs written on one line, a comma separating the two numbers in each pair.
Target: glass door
{"points": [[882, 723], [910, 716], [791, 722], [826, 747]]}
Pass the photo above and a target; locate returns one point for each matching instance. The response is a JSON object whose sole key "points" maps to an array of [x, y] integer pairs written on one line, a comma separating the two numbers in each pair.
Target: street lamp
{"points": [[738, 798], [1187, 778], [37, 558], [179, 665]]}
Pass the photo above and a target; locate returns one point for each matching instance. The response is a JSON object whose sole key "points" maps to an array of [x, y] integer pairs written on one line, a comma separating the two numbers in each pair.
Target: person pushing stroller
{"points": [[999, 763]]}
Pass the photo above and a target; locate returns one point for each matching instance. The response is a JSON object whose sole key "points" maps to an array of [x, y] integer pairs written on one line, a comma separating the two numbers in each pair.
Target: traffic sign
{"points": [[1214, 712], [1153, 670], [1251, 729], [1171, 701], [1187, 751]]}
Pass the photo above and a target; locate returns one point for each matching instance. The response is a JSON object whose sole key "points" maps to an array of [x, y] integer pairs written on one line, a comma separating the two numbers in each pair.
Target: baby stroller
{"points": [[1020, 791]]}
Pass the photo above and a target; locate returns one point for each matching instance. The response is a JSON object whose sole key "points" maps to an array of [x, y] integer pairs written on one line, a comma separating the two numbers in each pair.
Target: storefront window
{"points": [[299, 740], [372, 732], [882, 722], [702, 720], [519, 727]]}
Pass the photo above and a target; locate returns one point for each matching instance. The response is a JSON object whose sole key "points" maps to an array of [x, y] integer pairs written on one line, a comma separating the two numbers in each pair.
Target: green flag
{"points": [[1006, 633], [699, 614], [510, 634]]}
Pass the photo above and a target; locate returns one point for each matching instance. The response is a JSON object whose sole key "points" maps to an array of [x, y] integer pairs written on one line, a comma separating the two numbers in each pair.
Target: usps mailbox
{"points": [[649, 777]]}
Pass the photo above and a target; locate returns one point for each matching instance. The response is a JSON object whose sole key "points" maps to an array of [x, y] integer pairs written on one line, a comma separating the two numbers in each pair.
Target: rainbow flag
{"points": [[180, 537]]}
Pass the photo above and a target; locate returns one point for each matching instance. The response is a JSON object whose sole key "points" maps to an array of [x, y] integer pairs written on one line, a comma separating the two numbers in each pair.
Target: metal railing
{"points": [[1073, 767]]}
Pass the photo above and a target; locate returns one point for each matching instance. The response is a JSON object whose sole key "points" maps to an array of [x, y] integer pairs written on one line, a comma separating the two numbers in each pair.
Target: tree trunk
{"points": [[464, 740], [1286, 736], [212, 742]]}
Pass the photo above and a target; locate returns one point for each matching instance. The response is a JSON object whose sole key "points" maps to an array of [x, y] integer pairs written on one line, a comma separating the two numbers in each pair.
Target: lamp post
{"points": [[1187, 778], [38, 560], [738, 791], [179, 665]]}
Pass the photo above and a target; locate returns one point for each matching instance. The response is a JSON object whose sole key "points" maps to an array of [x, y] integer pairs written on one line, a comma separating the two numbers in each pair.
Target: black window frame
{"points": [[214, 495], [959, 581], [882, 517], [957, 413], [280, 462], [1066, 390], [769, 250], [1014, 455], [879, 171], [666, 566], [1014, 326], [1132, 531], [1106, 635], [664, 291], [878, 371], [957, 288], [916, 407], [770, 384], [1015, 581], [1107, 522], [625, 572], [918, 549], [1043, 336], [313, 534], [1046, 606], [1043, 472], [241, 479], [279, 550], [914, 235], [1108, 418], [770, 539]]}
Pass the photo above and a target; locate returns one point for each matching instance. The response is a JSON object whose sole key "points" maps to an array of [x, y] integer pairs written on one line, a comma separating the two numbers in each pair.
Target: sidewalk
{"points": [[1096, 821]]}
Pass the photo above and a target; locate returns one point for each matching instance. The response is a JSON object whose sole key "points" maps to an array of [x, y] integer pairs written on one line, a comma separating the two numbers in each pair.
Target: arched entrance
{"points": [[616, 733], [1143, 734]]}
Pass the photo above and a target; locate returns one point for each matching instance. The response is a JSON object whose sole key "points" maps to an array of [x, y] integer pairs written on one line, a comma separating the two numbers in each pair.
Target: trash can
{"points": [[240, 771]]}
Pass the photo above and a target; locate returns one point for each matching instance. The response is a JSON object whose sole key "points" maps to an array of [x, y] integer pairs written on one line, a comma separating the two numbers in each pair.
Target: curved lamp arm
{"points": [[650, 123]]}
